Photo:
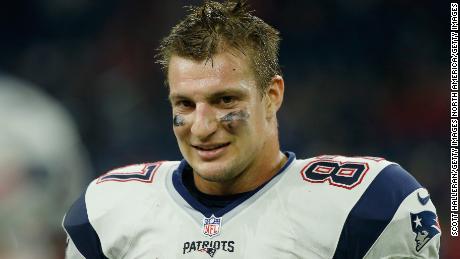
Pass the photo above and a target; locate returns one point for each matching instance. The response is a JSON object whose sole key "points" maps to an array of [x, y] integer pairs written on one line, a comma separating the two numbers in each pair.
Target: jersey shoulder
{"points": [[361, 187], [365, 181], [383, 204], [129, 183], [125, 186], [120, 195], [342, 172]]}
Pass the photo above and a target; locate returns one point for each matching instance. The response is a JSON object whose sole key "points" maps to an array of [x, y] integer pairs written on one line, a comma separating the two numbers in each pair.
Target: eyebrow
{"points": [[210, 96]]}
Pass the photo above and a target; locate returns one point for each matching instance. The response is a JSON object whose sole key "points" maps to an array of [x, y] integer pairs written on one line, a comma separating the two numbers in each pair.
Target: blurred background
{"points": [[80, 94]]}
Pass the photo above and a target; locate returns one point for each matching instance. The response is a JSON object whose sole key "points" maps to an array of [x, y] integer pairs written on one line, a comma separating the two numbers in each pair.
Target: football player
{"points": [[41, 164], [235, 194]]}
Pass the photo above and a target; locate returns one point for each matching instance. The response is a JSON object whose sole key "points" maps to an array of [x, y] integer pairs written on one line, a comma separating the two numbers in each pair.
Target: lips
{"points": [[210, 151], [210, 147]]}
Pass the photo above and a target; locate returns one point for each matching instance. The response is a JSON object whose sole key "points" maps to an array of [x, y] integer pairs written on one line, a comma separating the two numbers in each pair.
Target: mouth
{"points": [[211, 151], [210, 147]]}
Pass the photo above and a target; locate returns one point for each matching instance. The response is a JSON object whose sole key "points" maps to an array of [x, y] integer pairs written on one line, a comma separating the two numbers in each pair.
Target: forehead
{"points": [[224, 70]]}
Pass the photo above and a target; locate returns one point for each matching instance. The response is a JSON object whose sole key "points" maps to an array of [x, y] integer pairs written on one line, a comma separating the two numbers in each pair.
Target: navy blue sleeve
{"points": [[374, 211], [80, 230]]}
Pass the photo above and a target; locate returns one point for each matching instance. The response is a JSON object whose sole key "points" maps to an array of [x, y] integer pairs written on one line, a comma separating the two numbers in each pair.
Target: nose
{"points": [[205, 122]]}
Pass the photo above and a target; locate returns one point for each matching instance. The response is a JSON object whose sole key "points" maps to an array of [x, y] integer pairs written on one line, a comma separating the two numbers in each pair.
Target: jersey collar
{"points": [[194, 203]]}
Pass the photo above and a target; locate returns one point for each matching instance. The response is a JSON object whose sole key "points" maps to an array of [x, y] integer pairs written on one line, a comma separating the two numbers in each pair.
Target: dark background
{"points": [[362, 78]]}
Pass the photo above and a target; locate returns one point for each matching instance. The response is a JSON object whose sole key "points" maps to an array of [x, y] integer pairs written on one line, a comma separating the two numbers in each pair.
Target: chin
{"points": [[214, 172]]}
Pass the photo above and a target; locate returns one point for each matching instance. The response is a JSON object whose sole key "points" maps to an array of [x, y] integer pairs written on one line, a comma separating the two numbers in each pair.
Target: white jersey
{"points": [[322, 207]]}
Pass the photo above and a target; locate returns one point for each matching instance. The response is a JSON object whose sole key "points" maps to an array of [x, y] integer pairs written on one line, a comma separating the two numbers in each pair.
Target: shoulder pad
{"points": [[374, 211], [341, 171]]}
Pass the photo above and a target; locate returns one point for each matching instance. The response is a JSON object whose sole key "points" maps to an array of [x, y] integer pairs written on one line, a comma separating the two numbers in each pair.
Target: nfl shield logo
{"points": [[211, 226]]}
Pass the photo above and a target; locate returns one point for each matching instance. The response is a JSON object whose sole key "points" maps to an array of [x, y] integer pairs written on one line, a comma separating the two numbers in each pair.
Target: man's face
{"points": [[219, 116]]}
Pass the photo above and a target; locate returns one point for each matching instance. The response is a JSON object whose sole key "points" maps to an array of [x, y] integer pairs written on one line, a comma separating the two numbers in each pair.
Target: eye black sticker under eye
{"points": [[235, 116], [178, 120]]}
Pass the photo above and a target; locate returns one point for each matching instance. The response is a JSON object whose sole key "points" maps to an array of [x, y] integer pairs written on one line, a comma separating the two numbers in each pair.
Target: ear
{"points": [[275, 94]]}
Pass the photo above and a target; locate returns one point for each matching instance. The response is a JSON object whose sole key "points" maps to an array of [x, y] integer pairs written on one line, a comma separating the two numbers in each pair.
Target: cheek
{"points": [[181, 124], [178, 120], [234, 120]]}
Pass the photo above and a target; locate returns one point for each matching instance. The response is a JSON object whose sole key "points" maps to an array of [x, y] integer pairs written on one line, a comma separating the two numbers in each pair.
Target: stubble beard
{"points": [[221, 174]]}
